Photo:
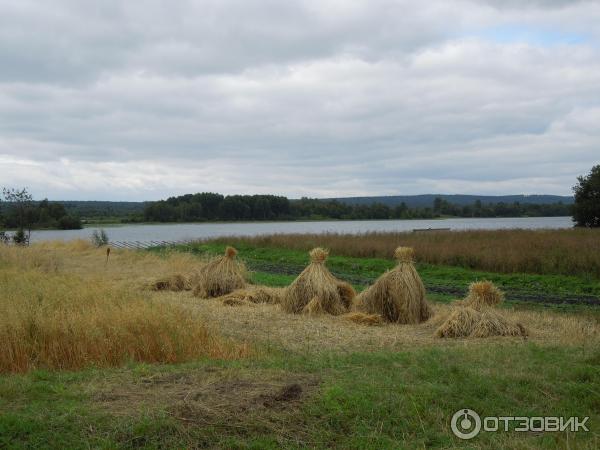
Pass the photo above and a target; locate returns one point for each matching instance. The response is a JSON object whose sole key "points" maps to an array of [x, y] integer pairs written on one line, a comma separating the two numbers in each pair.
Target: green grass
{"points": [[444, 282], [378, 400]]}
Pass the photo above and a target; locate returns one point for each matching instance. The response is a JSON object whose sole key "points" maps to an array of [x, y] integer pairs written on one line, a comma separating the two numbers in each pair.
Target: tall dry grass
{"points": [[56, 320], [568, 252], [44, 258], [81, 258]]}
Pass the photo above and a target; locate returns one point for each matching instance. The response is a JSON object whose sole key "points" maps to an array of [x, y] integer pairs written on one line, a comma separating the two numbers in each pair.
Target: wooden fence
{"points": [[139, 245]]}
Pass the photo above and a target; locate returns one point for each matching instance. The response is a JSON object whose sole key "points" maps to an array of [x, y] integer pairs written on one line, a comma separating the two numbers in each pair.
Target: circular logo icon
{"points": [[465, 424]]}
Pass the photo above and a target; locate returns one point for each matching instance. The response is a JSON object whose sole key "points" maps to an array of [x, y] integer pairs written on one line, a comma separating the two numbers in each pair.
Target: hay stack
{"points": [[460, 323], [483, 294], [193, 279], [316, 290], [493, 324], [475, 316], [398, 295], [221, 276], [465, 321], [174, 283]]}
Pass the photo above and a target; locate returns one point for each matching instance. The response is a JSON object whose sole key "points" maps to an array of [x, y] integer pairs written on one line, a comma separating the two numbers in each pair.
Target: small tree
{"points": [[20, 200], [4, 236], [100, 238], [586, 210]]}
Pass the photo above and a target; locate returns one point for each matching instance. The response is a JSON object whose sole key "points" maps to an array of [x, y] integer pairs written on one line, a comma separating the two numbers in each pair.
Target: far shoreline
{"points": [[241, 222]]}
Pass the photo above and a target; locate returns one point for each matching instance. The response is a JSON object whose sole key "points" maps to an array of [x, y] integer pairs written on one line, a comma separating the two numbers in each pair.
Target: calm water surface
{"points": [[188, 231]]}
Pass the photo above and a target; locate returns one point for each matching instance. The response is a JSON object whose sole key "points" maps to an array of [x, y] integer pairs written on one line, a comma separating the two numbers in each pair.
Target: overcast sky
{"points": [[124, 100]]}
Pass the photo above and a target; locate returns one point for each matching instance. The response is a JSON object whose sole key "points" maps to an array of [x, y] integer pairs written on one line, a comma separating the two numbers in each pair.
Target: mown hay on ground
{"points": [[364, 319], [176, 282], [398, 295], [319, 288], [221, 276], [253, 294], [236, 301], [465, 321]]}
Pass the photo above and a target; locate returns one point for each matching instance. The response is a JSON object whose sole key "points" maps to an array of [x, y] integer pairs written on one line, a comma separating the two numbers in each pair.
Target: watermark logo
{"points": [[466, 424]]}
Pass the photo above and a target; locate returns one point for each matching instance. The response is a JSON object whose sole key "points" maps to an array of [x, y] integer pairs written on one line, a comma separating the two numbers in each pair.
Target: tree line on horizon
{"points": [[20, 212], [208, 206]]}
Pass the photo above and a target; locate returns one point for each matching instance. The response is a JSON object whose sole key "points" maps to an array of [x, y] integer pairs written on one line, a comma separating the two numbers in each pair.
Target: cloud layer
{"points": [[130, 100]]}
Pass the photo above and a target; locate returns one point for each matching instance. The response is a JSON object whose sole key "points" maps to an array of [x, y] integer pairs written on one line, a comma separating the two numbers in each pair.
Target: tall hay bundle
{"points": [[398, 295], [315, 307], [346, 292], [221, 276], [483, 294], [319, 288], [193, 279], [465, 321]]}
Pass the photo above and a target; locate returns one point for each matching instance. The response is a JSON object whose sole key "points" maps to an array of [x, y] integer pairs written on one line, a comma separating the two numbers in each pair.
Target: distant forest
{"points": [[216, 207], [38, 214]]}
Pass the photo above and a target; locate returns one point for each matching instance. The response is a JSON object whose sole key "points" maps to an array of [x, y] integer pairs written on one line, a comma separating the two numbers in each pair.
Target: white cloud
{"points": [[120, 100]]}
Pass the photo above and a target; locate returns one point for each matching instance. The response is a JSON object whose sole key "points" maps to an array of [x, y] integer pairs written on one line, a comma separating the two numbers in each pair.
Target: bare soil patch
{"points": [[212, 396]]}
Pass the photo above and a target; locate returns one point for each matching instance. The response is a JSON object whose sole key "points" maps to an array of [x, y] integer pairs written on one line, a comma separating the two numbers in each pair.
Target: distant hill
{"points": [[426, 200]]}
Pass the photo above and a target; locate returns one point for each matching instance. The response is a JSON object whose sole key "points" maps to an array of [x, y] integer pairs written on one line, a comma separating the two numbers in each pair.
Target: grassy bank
{"points": [[563, 252]]}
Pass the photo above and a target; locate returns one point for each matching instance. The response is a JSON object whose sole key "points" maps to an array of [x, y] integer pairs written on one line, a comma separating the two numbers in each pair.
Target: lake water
{"points": [[189, 231]]}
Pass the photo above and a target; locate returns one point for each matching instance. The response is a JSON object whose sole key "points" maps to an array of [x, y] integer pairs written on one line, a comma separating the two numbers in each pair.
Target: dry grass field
{"points": [[160, 369], [63, 307], [55, 287]]}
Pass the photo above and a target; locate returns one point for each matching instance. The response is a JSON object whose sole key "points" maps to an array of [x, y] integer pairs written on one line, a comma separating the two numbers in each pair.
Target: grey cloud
{"points": [[72, 41], [124, 100], [532, 4]]}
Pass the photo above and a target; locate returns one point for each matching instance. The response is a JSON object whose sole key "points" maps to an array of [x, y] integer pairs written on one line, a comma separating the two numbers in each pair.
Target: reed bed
{"points": [[567, 252]]}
